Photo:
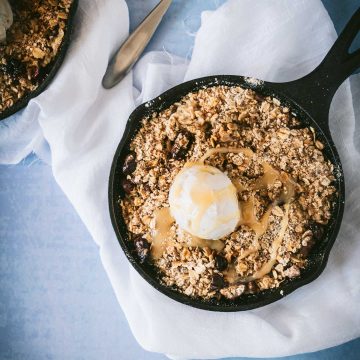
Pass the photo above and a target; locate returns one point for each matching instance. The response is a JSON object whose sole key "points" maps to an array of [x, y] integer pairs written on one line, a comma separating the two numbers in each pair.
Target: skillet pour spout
{"points": [[310, 99]]}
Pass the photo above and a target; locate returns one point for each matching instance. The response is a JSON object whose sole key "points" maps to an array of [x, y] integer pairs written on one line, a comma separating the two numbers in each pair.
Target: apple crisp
{"points": [[284, 186], [32, 43]]}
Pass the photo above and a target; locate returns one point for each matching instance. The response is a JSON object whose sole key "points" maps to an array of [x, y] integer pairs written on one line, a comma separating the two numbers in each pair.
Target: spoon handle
{"points": [[134, 45]]}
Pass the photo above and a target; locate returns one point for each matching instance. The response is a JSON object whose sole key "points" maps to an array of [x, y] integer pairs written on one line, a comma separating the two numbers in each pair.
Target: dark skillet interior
{"points": [[51, 69], [320, 252]]}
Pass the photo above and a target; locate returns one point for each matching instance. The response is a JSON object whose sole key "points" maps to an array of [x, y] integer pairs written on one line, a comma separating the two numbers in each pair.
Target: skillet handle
{"points": [[315, 91]]}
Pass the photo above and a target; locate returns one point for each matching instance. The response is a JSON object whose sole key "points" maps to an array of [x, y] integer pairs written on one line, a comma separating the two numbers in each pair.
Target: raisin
{"points": [[305, 250], [220, 263], [127, 185], [142, 248], [217, 282], [251, 288], [207, 130], [166, 144], [317, 230], [129, 164]]}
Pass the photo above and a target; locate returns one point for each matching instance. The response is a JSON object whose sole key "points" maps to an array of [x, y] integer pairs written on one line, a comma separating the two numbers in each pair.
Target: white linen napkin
{"points": [[273, 40]]}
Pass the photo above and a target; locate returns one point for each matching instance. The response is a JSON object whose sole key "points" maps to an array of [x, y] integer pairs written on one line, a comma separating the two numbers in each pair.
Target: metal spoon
{"points": [[134, 45]]}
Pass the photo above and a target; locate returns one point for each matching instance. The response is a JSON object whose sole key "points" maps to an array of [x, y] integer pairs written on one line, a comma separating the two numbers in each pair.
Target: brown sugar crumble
{"points": [[284, 188], [31, 45]]}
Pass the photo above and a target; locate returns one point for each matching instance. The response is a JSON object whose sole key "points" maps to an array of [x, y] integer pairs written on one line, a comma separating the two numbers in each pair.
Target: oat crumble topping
{"points": [[32, 43], [229, 117]]}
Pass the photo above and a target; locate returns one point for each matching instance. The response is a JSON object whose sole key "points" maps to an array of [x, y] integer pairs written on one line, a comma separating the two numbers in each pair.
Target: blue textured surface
{"points": [[55, 299]]}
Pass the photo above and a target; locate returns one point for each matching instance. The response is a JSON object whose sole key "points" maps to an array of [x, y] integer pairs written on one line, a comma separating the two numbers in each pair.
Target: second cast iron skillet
{"points": [[309, 98], [50, 71]]}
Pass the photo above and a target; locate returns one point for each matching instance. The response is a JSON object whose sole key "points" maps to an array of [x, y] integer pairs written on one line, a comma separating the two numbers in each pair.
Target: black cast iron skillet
{"points": [[309, 98], [50, 70]]}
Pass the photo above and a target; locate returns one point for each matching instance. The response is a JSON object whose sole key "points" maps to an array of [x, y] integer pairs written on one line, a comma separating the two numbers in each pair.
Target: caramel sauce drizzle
{"points": [[239, 186], [164, 220], [217, 245], [231, 276], [161, 235], [204, 198], [266, 268], [248, 212], [161, 238], [269, 177], [249, 218]]}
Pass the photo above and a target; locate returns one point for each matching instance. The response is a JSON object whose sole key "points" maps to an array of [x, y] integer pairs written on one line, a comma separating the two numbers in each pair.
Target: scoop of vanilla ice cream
{"points": [[203, 201]]}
